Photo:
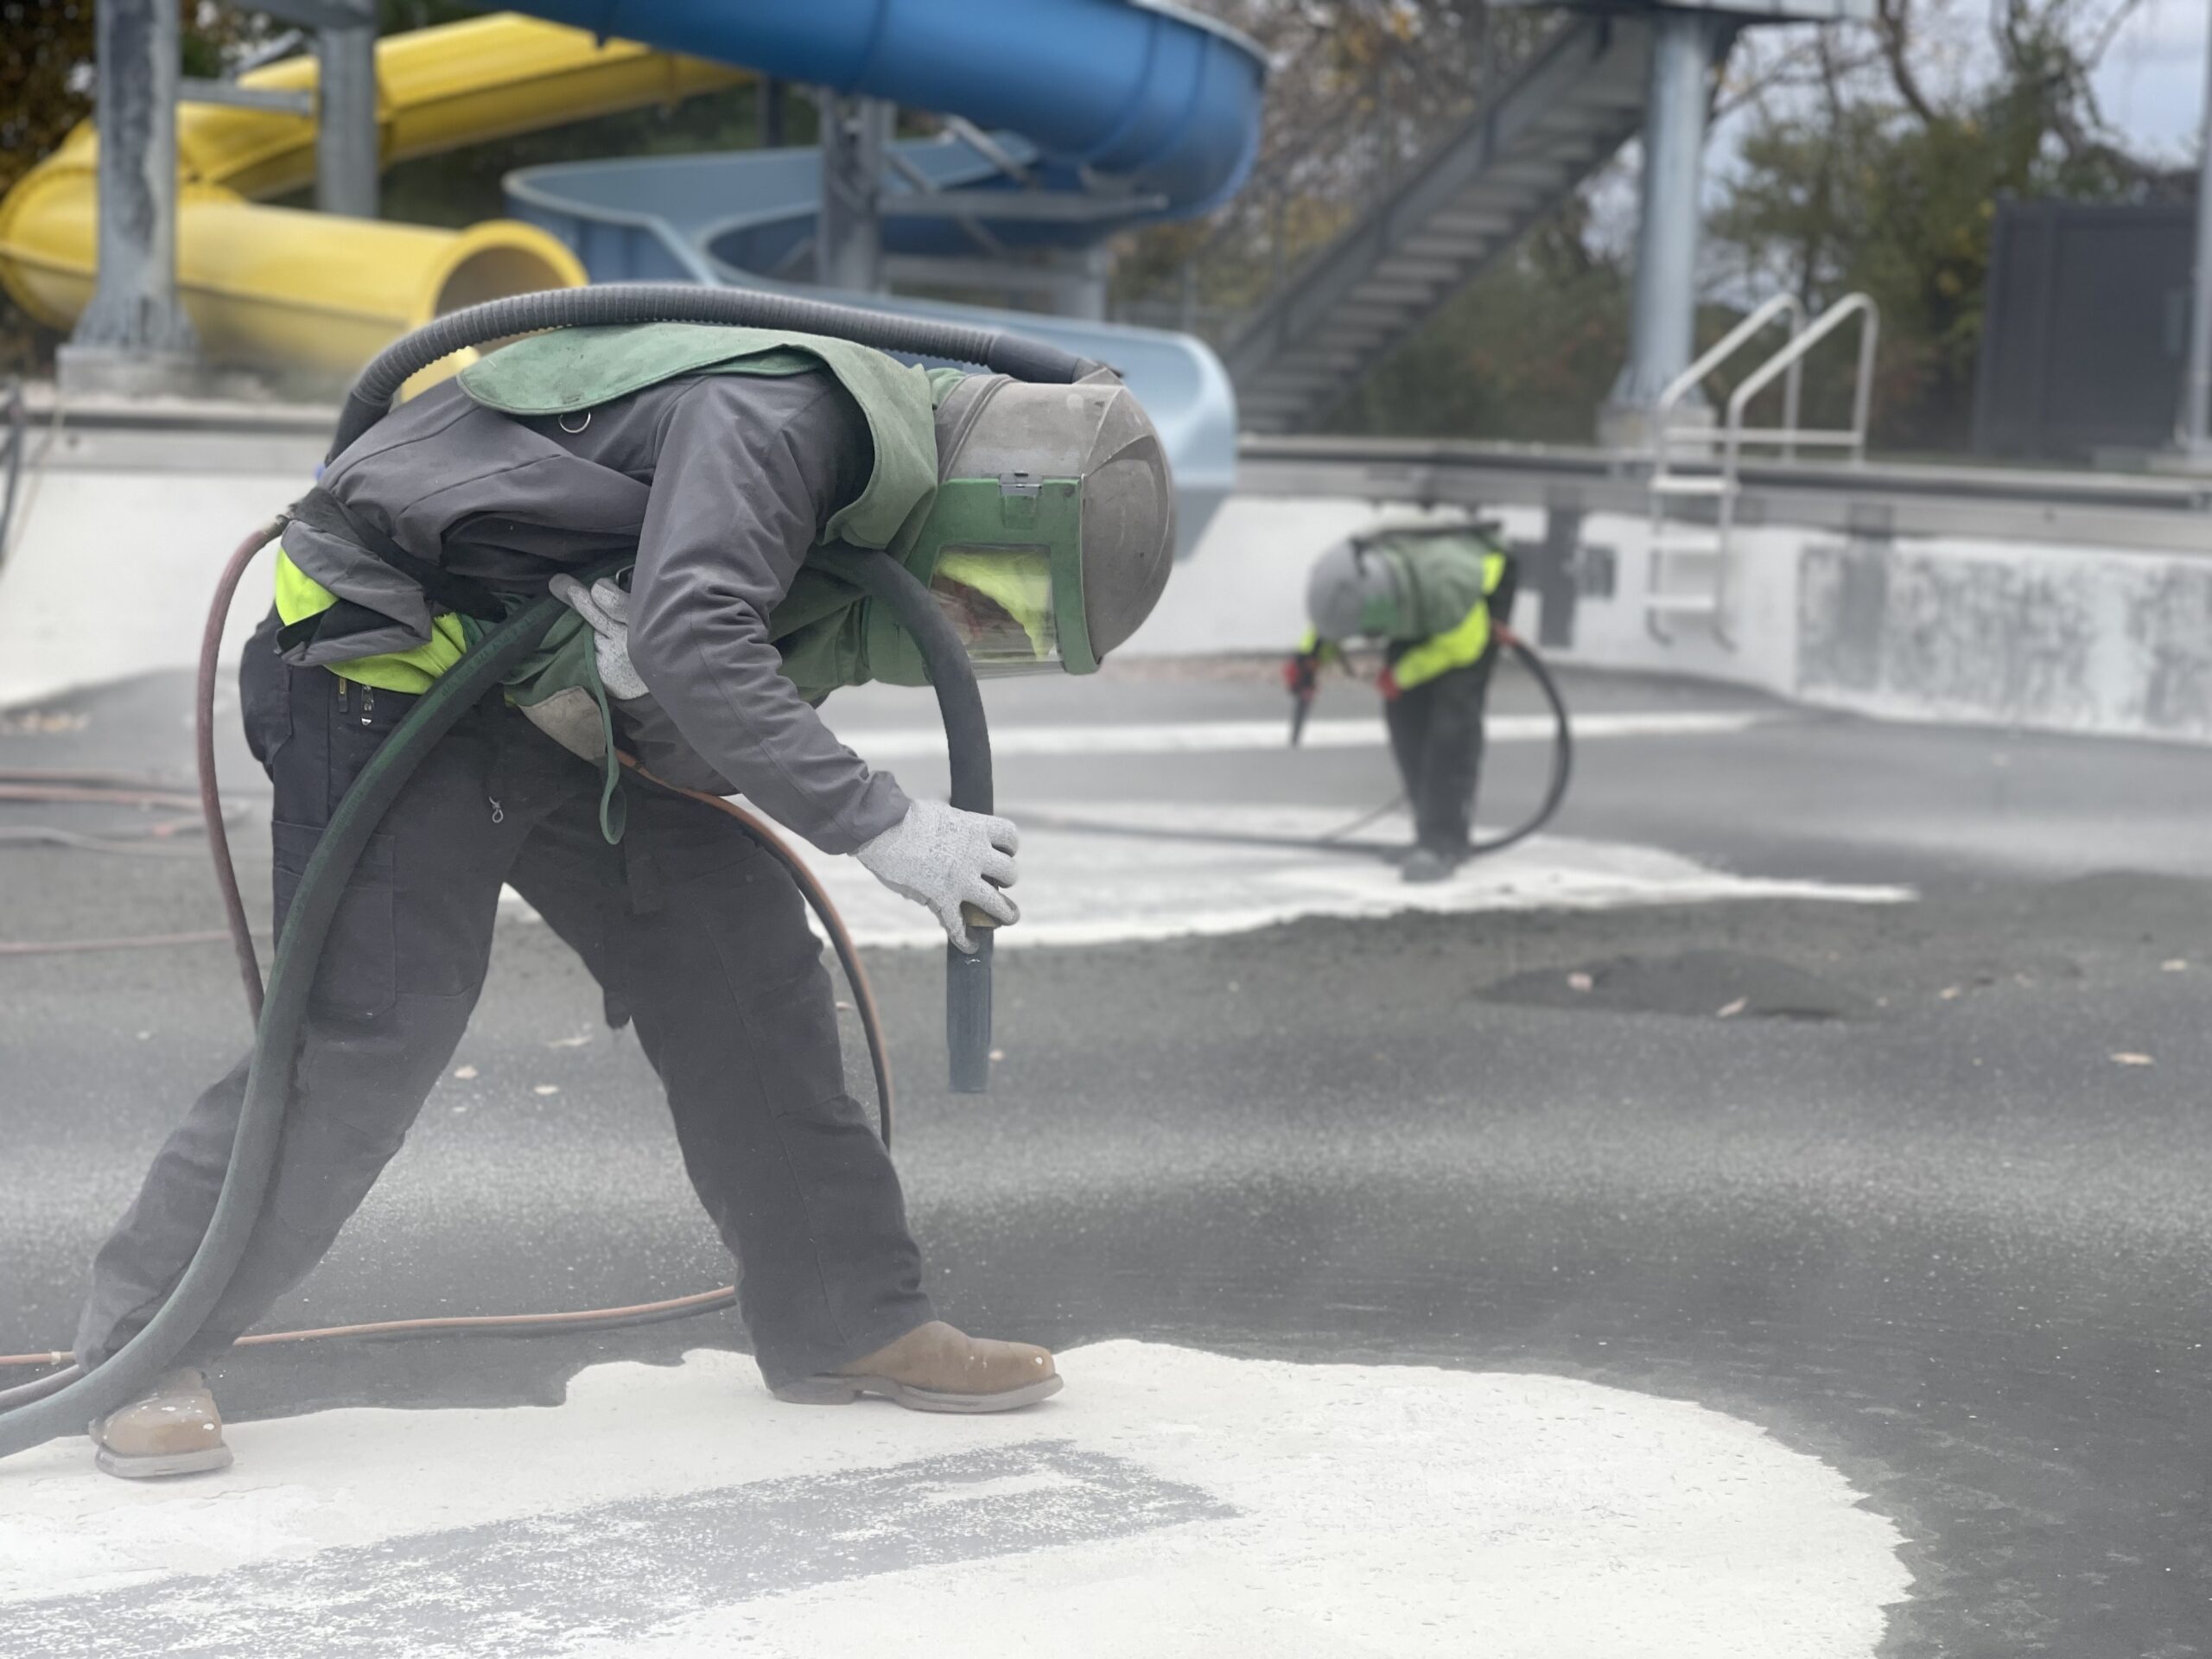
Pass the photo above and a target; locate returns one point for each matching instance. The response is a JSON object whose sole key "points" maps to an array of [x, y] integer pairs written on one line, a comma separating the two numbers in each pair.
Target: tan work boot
{"points": [[174, 1429], [935, 1368]]}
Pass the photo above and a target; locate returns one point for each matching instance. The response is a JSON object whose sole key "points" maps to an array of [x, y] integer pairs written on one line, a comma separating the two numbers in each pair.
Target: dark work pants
{"points": [[688, 926], [1436, 734]]}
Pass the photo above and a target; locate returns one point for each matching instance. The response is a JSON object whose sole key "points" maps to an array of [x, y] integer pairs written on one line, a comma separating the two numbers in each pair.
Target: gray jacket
{"points": [[721, 483]]}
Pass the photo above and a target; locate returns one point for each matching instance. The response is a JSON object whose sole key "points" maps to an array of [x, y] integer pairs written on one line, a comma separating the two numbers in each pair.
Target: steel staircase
{"points": [[1508, 163]]}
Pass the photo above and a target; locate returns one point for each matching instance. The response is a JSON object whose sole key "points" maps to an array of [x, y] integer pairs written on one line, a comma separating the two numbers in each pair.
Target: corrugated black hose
{"points": [[612, 303], [64, 1406], [967, 745], [132, 1369]]}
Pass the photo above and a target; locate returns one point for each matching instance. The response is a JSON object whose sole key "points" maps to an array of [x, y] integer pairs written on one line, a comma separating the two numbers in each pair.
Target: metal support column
{"points": [[346, 148], [1664, 308], [774, 112], [134, 334], [2196, 435], [1090, 276], [1553, 573], [848, 232]]}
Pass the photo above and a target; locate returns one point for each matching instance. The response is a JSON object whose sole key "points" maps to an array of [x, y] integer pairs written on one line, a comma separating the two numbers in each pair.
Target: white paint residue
{"points": [[1368, 1509], [1081, 889], [1225, 736]]}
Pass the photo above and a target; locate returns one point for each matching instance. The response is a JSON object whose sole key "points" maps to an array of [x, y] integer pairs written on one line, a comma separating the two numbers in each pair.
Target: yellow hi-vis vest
{"points": [[299, 594], [1459, 645]]}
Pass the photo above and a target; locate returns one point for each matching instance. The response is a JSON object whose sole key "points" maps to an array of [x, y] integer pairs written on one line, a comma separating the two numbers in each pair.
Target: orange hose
{"points": [[818, 898], [210, 801], [139, 942], [699, 1302], [218, 847], [203, 743], [79, 795]]}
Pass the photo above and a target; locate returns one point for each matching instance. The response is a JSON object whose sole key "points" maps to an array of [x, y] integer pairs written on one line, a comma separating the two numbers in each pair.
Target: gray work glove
{"points": [[606, 606], [941, 857]]}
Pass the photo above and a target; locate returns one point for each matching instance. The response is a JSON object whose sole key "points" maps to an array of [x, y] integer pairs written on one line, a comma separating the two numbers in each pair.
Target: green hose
{"points": [[128, 1373]]}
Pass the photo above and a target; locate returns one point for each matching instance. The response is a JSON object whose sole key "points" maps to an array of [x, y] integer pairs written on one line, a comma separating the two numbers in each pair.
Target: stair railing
{"points": [[1669, 484], [1723, 349], [1252, 252], [1852, 438], [1736, 435]]}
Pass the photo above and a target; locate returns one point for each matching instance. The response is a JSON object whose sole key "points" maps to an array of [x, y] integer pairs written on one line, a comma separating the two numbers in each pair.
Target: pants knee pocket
{"points": [[358, 976]]}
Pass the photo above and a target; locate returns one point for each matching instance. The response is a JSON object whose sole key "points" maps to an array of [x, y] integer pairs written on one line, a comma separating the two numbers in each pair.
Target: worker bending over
{"points": [[1434, 598], [668, 482]]}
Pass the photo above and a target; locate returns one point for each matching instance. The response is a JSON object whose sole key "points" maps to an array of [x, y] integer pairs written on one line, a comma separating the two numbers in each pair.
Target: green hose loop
{"points": [[127, 1373]]}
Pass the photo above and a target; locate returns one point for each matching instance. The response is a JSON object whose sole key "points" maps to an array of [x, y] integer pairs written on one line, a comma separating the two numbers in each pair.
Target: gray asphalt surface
{"points": [[1903, 1208]]}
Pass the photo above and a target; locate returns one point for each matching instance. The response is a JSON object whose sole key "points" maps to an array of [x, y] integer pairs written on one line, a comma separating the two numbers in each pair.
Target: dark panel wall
{"points": [[2086, 328]]}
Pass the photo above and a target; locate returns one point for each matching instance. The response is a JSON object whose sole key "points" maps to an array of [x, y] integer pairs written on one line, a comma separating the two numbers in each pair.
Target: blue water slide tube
{"points": [[1154, 105], [736, 218], [1158, 99]]}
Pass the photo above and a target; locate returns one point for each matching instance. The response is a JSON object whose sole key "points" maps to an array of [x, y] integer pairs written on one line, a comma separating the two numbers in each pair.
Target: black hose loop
{"points": [[127, 1373], [1340, 840], [1562, 747], [968, 743], [1004, 353]]}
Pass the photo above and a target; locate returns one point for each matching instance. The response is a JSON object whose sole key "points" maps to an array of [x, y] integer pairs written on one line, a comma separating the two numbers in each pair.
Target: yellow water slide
{"points": [[279, 288]]}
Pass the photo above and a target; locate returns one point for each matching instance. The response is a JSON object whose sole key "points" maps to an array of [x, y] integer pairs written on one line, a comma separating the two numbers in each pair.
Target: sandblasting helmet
{"points": [[1353, 592], [1053, 528]]}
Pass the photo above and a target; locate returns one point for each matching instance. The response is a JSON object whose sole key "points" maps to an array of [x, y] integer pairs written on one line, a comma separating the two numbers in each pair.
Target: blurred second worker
{"points": [[1434, 598]]}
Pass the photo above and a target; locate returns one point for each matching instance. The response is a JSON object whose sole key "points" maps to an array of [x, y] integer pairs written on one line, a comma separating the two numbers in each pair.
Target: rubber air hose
{"points": [[1340, 839], [203, 740], [133, 1368], [1562, 746], [968, 743], [370, 401], [968, 984]]}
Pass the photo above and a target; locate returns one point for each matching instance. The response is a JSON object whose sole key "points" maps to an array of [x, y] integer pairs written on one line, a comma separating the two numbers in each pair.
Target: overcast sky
{"points": [[2152, 82], [2151, 86]]}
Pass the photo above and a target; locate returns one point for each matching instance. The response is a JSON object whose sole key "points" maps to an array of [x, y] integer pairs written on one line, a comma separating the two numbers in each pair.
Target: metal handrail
{"points": [[1726, 483], [1679, 387], [1726, 347], [1786, 359], [1785, 362]]}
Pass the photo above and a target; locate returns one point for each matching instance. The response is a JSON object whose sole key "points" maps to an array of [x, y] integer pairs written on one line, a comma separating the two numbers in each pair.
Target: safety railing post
{"points": [[1666, 483]]}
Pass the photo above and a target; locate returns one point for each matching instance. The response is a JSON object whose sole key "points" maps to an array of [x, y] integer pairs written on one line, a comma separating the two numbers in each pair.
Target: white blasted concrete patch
{"points": [[1084, 888], [1169, 1503], [1234, 736]]}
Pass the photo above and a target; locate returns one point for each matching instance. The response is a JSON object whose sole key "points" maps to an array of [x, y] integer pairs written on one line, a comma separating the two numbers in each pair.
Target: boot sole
{"points": [[844, 1390], [167, 1464]]}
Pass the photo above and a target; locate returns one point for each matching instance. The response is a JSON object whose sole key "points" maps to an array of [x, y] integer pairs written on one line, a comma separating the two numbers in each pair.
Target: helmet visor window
{"points": [[1000, 599]]}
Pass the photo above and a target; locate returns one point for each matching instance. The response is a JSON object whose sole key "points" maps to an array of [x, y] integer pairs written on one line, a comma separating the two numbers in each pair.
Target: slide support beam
{"points": [[848, 232], [134, 336]]}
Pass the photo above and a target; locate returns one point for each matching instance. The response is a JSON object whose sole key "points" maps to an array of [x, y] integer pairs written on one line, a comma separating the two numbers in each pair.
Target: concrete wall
{"points": [[2049, 637], [2056, 639], [120, 535], [108, 574]]}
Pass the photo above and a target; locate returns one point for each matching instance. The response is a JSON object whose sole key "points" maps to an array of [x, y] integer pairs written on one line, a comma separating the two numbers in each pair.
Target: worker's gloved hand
{"points": [[941, 858], [606, 606], [1300, 673]]}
